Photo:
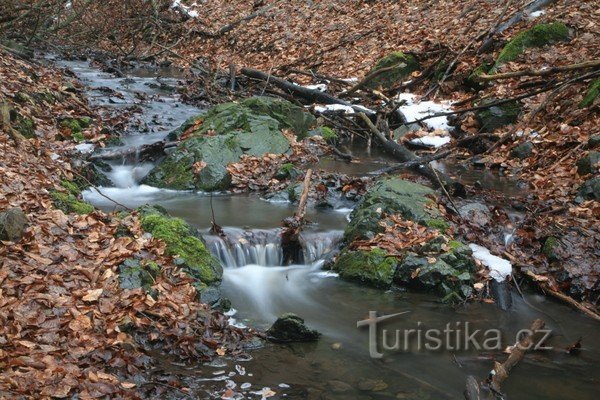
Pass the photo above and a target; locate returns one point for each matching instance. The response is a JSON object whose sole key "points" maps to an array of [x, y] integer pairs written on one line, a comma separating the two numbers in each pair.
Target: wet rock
{"points": [[372, 385], [495, 117], [448, 273], [476, 213], [211, 295], [590, 190], [401, 66], [594, 141], [12, 224], [589, 163], [522, 151], [373, 268], [501, 294], [222, 136], [69, 203], [390, 196], [134, 274], [291, 328], [339, 387]]}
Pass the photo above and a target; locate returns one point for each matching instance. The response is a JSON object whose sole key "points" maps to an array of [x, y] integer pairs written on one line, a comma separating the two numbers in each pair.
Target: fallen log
{"points": [[148, 152], [310, 95], [415, 163], [290, 236]]}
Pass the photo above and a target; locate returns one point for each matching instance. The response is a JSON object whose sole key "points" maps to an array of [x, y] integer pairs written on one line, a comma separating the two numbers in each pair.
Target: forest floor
{"points": [[59, 283]]}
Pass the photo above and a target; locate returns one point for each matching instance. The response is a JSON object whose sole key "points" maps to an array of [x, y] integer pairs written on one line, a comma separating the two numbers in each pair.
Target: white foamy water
{"points": [[128, 176]]}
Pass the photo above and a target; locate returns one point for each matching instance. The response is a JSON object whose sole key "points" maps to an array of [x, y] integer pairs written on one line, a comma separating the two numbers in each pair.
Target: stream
{"points": [[260, 289]]}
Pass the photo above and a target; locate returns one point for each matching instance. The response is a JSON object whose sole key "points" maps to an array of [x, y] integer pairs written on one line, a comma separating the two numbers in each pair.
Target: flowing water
{"points": [[339, 365]]}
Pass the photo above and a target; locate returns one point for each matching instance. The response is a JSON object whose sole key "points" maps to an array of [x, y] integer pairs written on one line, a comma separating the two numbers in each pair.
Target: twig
{"points": [[446, 192]]}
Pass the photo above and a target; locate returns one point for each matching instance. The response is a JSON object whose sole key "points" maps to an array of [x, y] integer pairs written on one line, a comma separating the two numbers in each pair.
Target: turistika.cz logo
{"points": [[456, 336]]}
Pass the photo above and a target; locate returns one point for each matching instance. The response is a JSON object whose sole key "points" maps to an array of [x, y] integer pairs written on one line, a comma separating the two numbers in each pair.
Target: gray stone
{"points": [[12, 224], [522, 151], [291, 328], [338, 386], [476, 213], [589, 163], [590, 190], [496, 117], [594, 141]]}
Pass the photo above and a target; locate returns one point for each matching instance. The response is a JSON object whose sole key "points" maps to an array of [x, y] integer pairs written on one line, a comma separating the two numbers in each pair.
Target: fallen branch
{"points": [[229, 27], [147, 152], [540, 72], [545, 286], [411, 164], [290, 236], [501, 371]]}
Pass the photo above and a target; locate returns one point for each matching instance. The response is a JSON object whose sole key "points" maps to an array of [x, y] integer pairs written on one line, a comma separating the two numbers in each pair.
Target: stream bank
{"points": [[338, 366]]}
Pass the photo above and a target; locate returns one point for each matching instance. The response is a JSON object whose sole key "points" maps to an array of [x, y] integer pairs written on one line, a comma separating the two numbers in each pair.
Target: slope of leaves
{"points": [[66, 326]]}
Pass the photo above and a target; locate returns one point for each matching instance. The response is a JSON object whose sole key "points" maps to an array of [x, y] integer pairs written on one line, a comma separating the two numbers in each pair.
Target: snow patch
{"points": [[537, 14], [499, 268], [432, 141], [414, 110], [340, 107], [321, 87], [185, 9], [85, 148]]}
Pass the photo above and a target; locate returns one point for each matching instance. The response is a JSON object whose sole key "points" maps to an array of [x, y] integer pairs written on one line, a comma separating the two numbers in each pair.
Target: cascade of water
{"points": [[263, 247]]}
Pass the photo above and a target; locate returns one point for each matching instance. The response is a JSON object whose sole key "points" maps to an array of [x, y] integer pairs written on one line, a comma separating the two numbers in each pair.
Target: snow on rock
{"points": [[414, 110], [537, 14], [185, 9], [340, 107], [432, 141], [85, 148], [321, 87], [499, 268]]}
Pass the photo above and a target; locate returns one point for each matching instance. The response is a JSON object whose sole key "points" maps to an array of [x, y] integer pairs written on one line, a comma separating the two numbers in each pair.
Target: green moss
{"points": [[76, 126], [538, 36], [374, 268], [71, 187], [135, 273], [26, 127], [549, 248], [484, 68], [328, 134], [69, 203], [403, 65], [438, 223], [455, 244], [181, 243], [591, 94]]}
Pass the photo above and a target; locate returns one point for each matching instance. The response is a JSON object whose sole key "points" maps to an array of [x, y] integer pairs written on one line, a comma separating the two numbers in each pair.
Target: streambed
{"points": [[339, 365]]}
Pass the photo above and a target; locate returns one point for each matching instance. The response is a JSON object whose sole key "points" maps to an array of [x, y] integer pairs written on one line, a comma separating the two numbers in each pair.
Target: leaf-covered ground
{"points": [[66, 325]]}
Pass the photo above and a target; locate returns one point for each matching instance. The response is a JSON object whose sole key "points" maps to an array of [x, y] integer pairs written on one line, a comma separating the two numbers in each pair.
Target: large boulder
{"points": [[434, 262], [291, 328], [12, 224], [398, 66], [221, 136]]}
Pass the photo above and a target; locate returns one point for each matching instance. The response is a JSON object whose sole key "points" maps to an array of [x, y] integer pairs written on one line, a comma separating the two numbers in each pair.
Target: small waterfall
{"points": [[128, 176], [263, 247]]}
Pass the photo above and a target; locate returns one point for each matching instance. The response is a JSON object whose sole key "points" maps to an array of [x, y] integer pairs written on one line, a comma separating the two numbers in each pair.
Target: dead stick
{"points": [[540, 72], [301, 211]]}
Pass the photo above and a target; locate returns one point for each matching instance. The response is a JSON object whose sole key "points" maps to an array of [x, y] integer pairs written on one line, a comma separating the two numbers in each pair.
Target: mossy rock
{"points": [[69, 203], [550, 247], [135, 274], [373, 268], [448, 273], [403, 65], [590, 190], [538, 36], [498, 116], [589, 163], [25, 127], [76, 127], [190, 122], [591, 95], [227, 132], [291, 328], [390, 196], [328, 134], [183, 243]]}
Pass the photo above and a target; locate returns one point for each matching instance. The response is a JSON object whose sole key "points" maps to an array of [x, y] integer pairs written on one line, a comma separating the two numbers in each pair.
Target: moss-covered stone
{"points": [[71, 187], [495, 117], [291, 328], [538, 36], [135, 274], [25, 127], [225, 133], [438, 223], [484, 68], [591, 95], [449, 273], [68, 203], [373, 268], [76, 127], [182, 243], [550, 248], [390, 196], [328, 134], [401, 66], [590, 190]]}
